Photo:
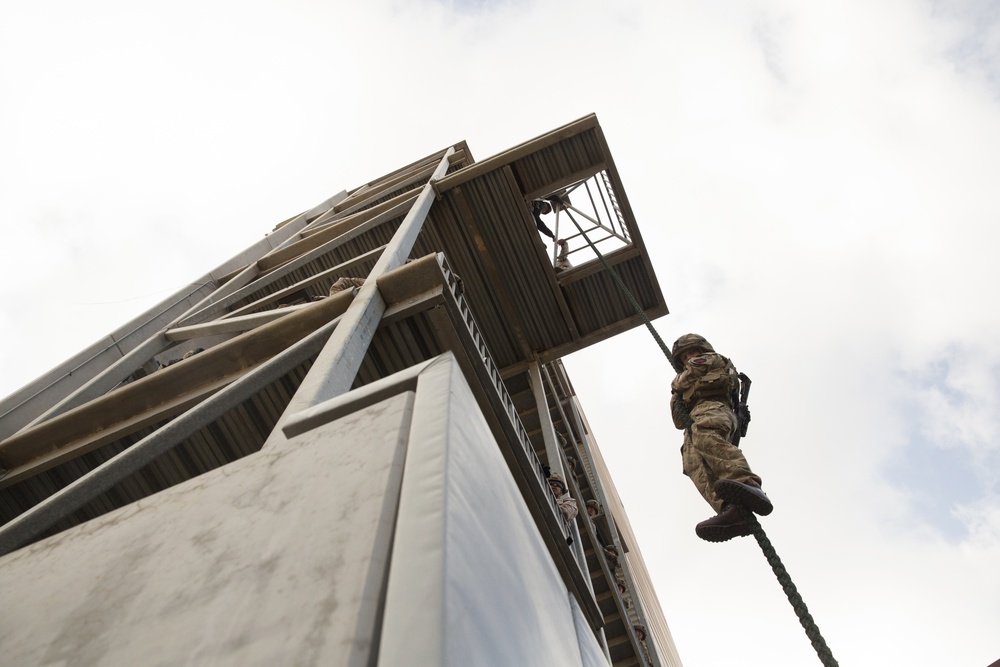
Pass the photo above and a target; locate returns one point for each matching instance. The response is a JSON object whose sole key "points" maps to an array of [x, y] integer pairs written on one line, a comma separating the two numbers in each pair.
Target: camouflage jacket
{"points": [[708, 376], [569, 507]]}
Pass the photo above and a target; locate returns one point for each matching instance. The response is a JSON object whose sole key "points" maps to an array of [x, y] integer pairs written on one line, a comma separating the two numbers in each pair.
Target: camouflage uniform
{"points": [[640, 634], [569, 507], [706, 383]]}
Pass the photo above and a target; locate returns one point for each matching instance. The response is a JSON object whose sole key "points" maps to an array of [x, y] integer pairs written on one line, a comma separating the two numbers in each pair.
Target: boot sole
{"points": [[723, 533], [735, 492]]}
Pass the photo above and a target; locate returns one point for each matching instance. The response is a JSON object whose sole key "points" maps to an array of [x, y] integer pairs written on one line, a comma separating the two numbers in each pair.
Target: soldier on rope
{"points": [[704, 401]]}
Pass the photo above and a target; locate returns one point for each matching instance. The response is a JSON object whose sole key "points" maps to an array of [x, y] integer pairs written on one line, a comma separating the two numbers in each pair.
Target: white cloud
{"points": [[814, 185]]}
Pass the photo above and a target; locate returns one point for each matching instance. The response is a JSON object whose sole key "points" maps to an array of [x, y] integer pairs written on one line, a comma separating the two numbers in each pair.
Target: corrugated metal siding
{"points": [[548, 165], [517, 252], [447, 231], [597, 302], [399, 346]]}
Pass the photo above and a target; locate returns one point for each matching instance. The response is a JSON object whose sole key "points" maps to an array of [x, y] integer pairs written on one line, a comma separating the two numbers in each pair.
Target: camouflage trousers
{"points": [[707, 453]]}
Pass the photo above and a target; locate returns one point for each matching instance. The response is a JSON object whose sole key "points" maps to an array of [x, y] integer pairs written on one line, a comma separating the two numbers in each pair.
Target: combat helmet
{"points": [[685, 343], [556, 478]]}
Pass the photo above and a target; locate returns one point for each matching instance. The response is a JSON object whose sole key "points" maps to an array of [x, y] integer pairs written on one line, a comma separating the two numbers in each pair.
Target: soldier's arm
{"points": [[688, 379], [676, 412]]}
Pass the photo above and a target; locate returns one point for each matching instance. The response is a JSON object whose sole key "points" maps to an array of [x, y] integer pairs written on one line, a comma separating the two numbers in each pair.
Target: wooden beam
{"points": [[617, 256], [357, 217], [626, 208], [262, 282], [159, 395], [49, 458], [560, 351], [342, 231], [516, 153], [228, 288], [230, 324], [566, 181], [334, 370], [352, 204], [108, 379], [340, 269], [433, 157]]}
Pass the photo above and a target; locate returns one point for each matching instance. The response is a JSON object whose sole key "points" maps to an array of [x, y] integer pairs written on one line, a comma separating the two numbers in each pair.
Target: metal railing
{"points": [[558, 384], [454, 286], [592, 208]]}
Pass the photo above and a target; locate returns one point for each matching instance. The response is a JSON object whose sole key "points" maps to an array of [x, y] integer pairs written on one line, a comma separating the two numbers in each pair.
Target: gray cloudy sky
{"points": [[815, 183]]}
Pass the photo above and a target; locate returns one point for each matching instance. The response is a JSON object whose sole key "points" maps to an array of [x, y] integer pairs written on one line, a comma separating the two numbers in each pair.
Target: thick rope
{"points": [[791, 592], [623, 288]]}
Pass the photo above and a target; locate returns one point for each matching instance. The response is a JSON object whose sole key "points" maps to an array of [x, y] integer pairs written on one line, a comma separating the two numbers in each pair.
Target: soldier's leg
{"points": [[728, 522], [733, 481], [699, 473], [712, 432]]}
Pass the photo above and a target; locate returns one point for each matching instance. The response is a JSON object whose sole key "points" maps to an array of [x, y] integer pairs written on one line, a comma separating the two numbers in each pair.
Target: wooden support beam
{"points": [[107, 380], [230, 325], [340, 232], [516, 153], [560, 351], [218, 306], [566, 181], [432, 158], [228, 288], [593, 266], [340, 269], [41, 460], [159, 395], [352, 204], [333, 372], [350, 220]]}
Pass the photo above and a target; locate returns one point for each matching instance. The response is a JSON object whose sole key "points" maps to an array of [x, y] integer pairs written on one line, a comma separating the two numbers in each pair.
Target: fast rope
{"points": [[791, 592]]}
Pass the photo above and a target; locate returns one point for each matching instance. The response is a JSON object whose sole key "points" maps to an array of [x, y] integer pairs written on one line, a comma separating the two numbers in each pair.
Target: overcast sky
{"points": [[816, 184]]}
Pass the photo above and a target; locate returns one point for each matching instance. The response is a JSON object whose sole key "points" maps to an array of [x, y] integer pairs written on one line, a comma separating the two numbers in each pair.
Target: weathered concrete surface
{"points": [[278, 558], [283, 557], [471, 580]]}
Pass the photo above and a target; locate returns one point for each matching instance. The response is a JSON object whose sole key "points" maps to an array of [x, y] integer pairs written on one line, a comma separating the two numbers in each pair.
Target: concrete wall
{"points": [[387, 531], [273, 559]]}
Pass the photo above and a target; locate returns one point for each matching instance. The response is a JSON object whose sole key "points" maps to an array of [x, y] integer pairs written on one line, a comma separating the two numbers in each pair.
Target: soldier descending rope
{"points": [[704, 402], [730, 490]]}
